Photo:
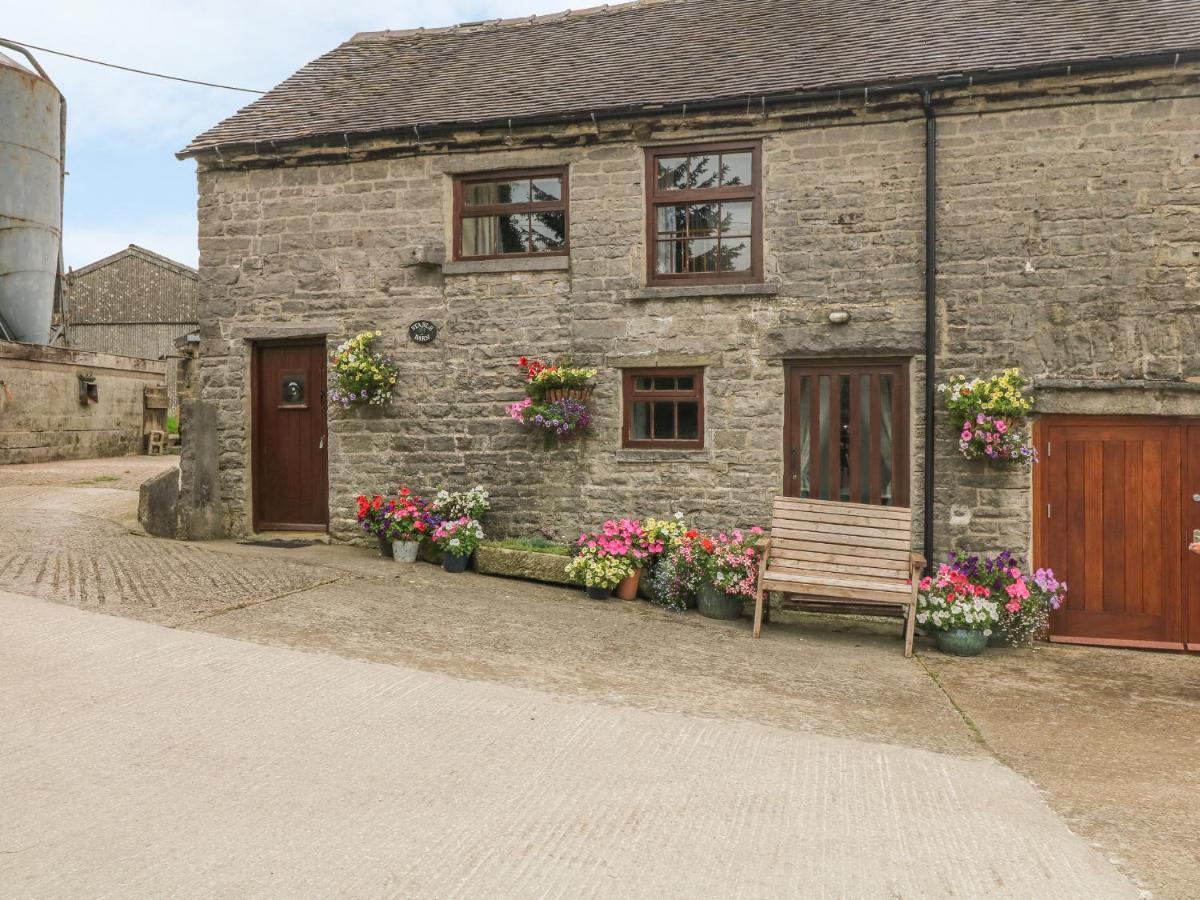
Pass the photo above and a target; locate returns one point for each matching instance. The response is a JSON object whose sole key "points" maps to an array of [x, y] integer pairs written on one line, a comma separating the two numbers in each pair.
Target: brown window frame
{"points": [[631, 395], [461, 210], [656, 197]]}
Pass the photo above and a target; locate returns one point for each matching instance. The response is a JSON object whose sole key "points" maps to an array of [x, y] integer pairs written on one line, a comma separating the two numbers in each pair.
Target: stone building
{"points": [[133, 303], [757, 215]]}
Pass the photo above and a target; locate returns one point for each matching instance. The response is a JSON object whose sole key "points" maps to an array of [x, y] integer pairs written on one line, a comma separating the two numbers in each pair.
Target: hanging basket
{"points": [[582, 394]]}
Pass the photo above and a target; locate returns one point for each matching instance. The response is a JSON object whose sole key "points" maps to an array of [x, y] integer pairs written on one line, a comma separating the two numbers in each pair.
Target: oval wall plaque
{"points": [[422, 332]]}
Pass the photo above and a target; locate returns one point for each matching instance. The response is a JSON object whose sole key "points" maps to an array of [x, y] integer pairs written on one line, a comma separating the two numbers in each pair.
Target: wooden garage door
{"points": [[1110, 521]]}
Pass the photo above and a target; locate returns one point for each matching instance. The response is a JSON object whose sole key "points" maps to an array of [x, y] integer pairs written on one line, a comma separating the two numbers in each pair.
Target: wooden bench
{"points": [[841, 557]]}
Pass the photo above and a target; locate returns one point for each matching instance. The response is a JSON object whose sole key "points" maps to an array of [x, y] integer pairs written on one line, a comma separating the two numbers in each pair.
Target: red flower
{"points": [[522, 362], [692, 535], [708, 545]]}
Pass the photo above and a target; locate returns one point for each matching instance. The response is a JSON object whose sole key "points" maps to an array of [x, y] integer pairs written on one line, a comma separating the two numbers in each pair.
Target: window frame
{"points": [[630, 395], [655, 198], [497, 209]]}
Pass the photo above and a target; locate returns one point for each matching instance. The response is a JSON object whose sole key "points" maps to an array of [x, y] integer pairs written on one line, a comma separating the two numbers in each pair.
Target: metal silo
{"points": [[32, 143]]}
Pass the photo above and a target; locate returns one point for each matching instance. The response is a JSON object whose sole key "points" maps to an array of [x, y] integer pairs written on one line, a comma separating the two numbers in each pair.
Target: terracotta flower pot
{"points": [[627, 589]]}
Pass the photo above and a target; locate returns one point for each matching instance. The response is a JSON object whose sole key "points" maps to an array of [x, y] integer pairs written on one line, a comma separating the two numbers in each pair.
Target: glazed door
{"points": [[1111, 526], [846, 431], [1191, 527], [289, 437]]}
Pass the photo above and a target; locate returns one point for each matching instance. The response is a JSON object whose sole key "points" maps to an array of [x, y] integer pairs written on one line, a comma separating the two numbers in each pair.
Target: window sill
{"points": [[631, 455], [690, 291], [484, 266]]}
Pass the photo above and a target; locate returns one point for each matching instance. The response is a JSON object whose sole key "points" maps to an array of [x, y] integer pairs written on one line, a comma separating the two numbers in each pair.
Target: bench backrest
{"points": [[826, 539]]}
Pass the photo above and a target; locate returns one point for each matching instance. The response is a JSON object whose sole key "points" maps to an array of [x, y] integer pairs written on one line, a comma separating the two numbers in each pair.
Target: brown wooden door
{"points": [[846, 431], [1191, 528], [1110, 524], [291, 480]]}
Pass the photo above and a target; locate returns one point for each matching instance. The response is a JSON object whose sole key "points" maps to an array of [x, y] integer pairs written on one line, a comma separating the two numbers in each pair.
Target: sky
{"points": [[125, 185]]}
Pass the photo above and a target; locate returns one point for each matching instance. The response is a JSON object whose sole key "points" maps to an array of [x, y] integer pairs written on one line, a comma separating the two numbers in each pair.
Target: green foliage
{"points": [[533, 545]]}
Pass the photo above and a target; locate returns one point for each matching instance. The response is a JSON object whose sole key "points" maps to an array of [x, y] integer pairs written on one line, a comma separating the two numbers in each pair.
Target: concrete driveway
{"points": [[462, 736]]}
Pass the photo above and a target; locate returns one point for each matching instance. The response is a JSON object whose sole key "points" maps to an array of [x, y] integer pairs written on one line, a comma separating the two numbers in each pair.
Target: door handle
{"points": [[321, 446]]}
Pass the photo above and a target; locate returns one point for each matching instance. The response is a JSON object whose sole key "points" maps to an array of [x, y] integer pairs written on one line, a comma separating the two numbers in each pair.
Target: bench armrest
{"points": [[918, 562]]}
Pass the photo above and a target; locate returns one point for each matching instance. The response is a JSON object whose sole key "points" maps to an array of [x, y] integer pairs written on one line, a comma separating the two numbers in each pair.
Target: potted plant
{"points": [[1024, 601], [623, 539], [556, 402], [598, 570], [371, 518], [471, 504], [358, 375], [666, 534], [728, 564], [988, 414], [457, 539], [961, 611], [406, 526]]}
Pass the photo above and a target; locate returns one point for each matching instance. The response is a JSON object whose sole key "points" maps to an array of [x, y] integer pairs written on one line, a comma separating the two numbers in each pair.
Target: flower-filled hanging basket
{"points": [[556, 402], [989, 416], [359, 375]]}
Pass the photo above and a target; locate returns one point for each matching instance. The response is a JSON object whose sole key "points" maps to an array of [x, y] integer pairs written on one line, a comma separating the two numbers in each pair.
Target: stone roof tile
{"points": [[612, 59]]}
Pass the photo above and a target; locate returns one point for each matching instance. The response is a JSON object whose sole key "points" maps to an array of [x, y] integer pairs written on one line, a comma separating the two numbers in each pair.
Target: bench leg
{"points": [[909, 625], [758, 609]]}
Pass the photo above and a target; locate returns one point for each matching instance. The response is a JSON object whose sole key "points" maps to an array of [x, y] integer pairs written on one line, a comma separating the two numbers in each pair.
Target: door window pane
{"points": [[885, 437], [852, 434]]}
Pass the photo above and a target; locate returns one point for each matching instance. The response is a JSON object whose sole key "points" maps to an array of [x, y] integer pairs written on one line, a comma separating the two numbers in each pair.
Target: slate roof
{"points": [[614, 59]]}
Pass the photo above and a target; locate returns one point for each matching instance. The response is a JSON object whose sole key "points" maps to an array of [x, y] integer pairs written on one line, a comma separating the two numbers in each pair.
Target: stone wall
{"points": [[41, 418], [1097, 197]]}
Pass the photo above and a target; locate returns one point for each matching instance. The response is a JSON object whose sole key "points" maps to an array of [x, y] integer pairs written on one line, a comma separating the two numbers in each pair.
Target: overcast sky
{"points": [[125, 185]]}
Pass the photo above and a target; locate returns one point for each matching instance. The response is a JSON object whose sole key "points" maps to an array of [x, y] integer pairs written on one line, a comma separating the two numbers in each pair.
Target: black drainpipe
{"points": [[930, 315]]}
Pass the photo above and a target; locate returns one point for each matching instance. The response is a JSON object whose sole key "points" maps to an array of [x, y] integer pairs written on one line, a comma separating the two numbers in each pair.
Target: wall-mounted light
{"points": [[839, 317]]}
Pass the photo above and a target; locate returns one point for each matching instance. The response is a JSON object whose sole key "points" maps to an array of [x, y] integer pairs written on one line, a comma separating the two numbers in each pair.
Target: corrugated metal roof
{"points": [[671, 52]]}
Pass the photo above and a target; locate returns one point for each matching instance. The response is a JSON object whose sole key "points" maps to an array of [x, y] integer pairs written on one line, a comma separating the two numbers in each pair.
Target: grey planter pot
{"points": [[405, 551], [714, 603], [961, 641], [452, 563]]}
